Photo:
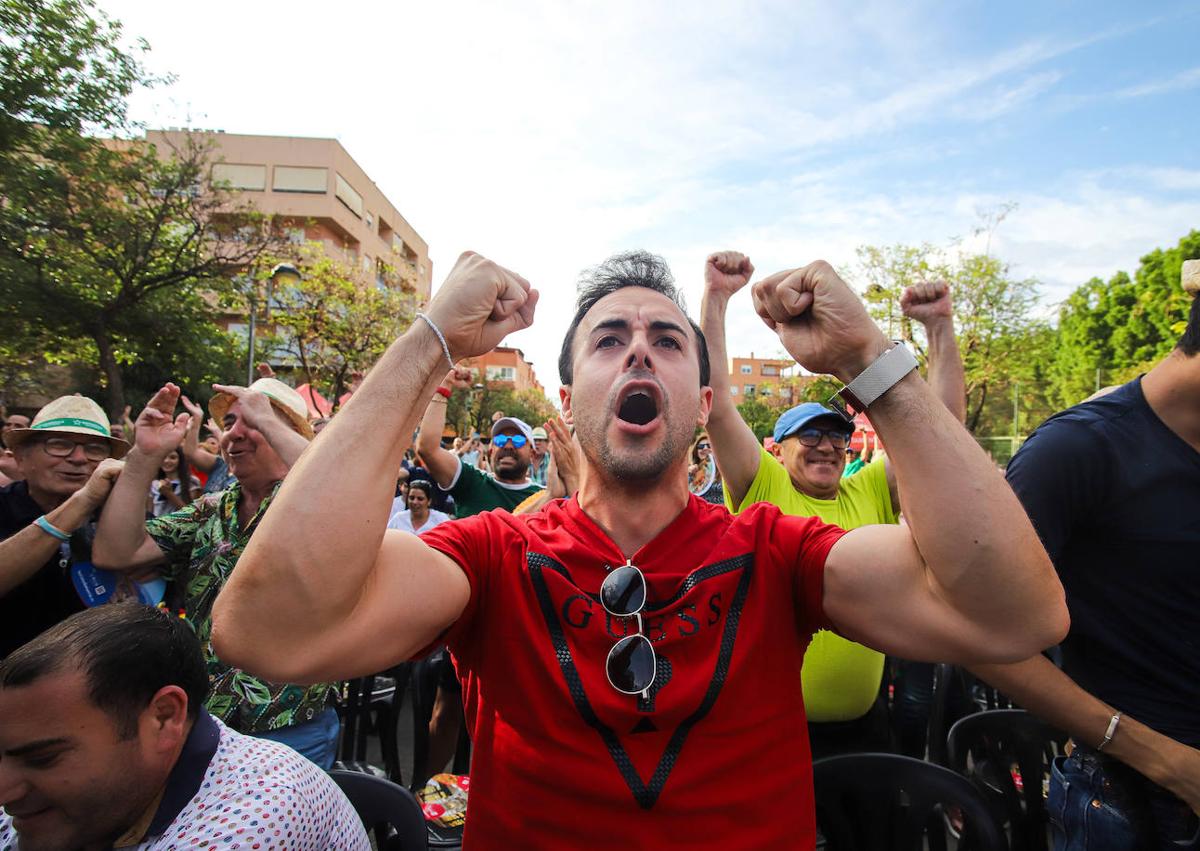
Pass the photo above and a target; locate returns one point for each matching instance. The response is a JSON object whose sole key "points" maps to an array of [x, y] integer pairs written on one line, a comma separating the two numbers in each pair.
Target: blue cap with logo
{"points": [[798, 417]]}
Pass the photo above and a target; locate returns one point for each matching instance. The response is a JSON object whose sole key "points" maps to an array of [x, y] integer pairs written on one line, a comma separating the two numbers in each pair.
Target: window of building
{"points": [[370, 220], [770, 369], [346, 193], [748, 389], [295, 178], [747, 369], [397, 244], [235, 176], [733, 389], [501, 373], [366, 263], [296, 236], [765, 390]]}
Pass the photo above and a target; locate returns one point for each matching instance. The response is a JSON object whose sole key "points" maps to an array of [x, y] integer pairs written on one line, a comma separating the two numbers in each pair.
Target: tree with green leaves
{"points": [[119, 254], [994, 312], [334, 322], [1110, 331]]}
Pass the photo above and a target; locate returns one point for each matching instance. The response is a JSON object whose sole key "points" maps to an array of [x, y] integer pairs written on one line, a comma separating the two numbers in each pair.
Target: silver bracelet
{"points": [[1113, 723], [441, 339]]}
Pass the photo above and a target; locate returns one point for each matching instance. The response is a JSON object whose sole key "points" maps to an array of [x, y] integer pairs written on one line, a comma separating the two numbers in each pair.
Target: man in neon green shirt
{"points": [[802, 475]]}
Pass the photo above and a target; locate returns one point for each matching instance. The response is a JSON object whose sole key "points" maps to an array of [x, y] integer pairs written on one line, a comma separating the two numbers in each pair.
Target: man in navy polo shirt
{"points": [[104, 743]]}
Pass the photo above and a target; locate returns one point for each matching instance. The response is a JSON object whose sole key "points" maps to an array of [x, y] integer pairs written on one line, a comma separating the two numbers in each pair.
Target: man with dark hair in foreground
{"points": [[104, 743], [1113, 488], [629, 656]]}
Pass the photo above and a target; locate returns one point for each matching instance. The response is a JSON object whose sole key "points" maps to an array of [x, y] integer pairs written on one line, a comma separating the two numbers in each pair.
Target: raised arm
{"points": [[259, 415], [321, 592], [441, 463], [25, 553], [198, 455], [967, 580], [734, 444], [121, 541]]}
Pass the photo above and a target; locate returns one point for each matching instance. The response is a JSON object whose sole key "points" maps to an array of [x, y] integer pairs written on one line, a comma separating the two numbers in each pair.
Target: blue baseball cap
{"points": [[798, 417]]}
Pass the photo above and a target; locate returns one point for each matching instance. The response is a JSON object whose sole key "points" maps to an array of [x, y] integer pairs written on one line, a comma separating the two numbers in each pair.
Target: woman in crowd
{"points": [[703, 478], [418, 516], [174, 487]]}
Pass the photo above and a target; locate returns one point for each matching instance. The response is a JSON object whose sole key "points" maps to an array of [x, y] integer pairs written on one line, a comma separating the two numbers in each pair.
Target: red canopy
{"points": [[317, 404]]}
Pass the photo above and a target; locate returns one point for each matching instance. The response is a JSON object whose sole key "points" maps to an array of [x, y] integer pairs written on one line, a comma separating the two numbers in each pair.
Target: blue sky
{"points": [[549, 135]]}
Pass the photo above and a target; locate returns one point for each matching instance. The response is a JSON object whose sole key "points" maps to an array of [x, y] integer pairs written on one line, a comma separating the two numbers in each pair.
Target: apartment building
{"points": [[323, 195], [758, 377], [506, 367]]}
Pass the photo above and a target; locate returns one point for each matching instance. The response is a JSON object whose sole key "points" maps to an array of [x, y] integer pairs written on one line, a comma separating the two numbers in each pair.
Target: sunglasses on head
{"points": [[502, 440], [632, 663]]}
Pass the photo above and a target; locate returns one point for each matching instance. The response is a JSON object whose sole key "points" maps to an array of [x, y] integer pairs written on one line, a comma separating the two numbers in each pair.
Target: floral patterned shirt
{"points": [[202, 543]]}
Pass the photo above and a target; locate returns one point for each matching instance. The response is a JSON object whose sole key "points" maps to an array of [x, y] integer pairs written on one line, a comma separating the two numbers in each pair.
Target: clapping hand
{"points": [[157, 432]]}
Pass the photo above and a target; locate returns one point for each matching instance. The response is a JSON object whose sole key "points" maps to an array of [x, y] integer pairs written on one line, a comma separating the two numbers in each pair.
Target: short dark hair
{"points": [[630, 269], [126, 652], [1189, 343], [422, 485]]}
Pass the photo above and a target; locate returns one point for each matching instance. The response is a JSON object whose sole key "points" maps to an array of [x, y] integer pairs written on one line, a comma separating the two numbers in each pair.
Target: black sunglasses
{"points": [[812, 437], [632, 663]]}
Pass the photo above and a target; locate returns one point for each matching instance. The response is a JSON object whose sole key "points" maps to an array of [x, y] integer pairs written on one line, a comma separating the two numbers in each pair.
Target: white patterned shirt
{"points": [[230, 791]]}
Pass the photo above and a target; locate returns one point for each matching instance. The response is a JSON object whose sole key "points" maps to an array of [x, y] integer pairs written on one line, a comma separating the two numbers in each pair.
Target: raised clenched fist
{"points": [[819, 320], [726, 272], [927, 301], [479, 304]]}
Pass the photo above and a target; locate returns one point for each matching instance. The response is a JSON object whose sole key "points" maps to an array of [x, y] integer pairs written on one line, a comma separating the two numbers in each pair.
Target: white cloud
{"points": [[1189, 79], [549, 135]]}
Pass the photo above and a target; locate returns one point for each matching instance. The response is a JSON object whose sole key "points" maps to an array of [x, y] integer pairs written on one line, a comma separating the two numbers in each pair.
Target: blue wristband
{"points": [[50, 529]]}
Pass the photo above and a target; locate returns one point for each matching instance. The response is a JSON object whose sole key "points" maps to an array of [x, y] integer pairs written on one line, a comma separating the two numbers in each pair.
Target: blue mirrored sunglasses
{"points": [[502, 440]]}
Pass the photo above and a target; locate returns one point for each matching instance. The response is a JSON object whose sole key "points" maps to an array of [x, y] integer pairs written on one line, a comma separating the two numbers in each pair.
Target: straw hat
{"points": [[69, 415], [283, 399], [1191, 276]]}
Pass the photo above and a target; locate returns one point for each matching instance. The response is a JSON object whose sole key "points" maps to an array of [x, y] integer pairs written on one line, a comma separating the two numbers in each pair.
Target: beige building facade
{"points": [[322, 195]]}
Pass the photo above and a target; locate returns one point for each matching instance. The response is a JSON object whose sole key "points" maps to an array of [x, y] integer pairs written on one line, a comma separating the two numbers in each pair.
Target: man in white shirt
{"points": [[104, 742]]}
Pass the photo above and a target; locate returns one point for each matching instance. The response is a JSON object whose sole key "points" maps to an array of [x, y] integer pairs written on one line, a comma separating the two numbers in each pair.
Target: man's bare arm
{"points": [[968, 579], [321, 592], [734, 444], [122, 543], [23, 554], [1047, 692], [195, 453], [441, 463]]}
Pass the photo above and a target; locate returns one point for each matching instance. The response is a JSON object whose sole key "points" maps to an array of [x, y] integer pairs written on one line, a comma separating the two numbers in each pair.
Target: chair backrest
{"points": [[380, 803], [995, 742], [887, 802]]}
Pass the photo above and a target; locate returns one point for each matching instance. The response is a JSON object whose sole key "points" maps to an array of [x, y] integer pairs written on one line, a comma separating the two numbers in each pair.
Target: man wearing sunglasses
{"points": [[66, 458], [510, 453], [629, 656], [803, 476]]}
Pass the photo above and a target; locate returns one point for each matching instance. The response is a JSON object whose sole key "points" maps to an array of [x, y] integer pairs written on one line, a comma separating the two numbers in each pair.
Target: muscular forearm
{"points": [[734, 444], [441, 463], [310, 559], [946, 375], [288, 445], [22, 554], [1037, 685], [121, 533], [980, 550]]}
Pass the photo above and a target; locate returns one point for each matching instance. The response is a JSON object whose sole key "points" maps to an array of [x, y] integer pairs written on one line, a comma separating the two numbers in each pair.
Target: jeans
{"points": [[1099, 804], [316, 739]]}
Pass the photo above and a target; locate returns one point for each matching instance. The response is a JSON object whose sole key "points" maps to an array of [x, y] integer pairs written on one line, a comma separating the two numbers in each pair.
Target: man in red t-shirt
{"points": [[629, 656]]}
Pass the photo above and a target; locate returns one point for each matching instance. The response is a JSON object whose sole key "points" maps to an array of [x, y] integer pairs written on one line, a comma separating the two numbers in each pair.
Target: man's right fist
{"points": [[479, 304], [98, 486]]}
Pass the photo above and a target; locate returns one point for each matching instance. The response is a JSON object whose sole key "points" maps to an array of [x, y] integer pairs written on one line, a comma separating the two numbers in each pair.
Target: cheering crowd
{"points": [[635, 606]]}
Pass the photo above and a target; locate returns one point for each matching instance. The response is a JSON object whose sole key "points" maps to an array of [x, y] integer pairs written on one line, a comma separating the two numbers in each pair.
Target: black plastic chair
{"points": [[372, 705], [888, 802], [993, 742], [385, 807]]}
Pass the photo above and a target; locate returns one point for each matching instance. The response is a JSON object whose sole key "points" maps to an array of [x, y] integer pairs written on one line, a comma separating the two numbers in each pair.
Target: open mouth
{"points": [[638, 408]]}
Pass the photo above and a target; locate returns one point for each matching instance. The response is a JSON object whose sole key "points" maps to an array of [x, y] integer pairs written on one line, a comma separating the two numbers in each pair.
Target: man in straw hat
{"points": [[197, 547], [1113, 488], [66, 458], [628, 652]]}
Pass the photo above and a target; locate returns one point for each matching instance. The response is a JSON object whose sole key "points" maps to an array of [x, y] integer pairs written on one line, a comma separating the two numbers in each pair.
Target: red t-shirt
{"points": [[718, 756]]}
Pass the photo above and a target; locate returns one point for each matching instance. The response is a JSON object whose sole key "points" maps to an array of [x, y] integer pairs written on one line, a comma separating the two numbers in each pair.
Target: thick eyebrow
{"points": [[41, 744], [656, 325]]}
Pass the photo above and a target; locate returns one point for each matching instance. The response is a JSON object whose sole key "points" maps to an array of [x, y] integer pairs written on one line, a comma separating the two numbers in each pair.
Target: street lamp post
{"points": [[282, 274]]}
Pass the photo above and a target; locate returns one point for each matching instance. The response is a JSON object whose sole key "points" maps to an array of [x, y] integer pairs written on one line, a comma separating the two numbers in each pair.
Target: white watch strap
{"points": [[879, 377]]}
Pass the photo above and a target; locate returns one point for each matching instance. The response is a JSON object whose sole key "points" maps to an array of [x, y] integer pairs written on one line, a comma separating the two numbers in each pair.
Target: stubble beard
{"points": [[631, 466]]}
